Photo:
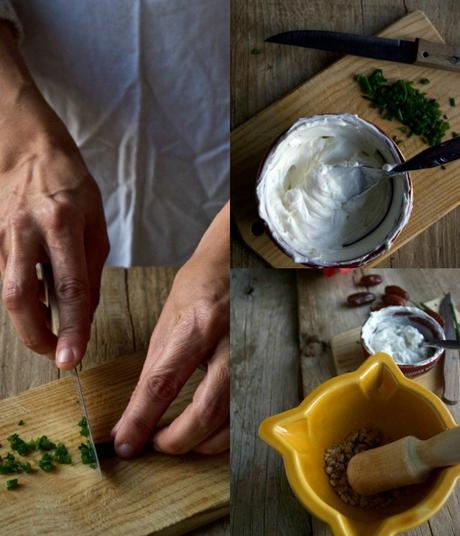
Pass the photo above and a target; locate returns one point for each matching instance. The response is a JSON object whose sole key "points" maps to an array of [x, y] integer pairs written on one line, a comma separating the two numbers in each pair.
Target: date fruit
{"points": [[370, 280], [397, 291], [360, 298], [393, 299]]}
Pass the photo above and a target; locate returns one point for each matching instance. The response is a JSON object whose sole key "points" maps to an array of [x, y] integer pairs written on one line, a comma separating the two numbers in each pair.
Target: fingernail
{"points": [[125, 450], [156, 447], [65, 357]]}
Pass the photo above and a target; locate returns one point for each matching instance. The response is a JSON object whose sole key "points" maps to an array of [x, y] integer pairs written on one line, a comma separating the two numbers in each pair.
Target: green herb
{"points": [[12, 484], [443, 167], [402, 101], [455, 134], [46, 462], [424, 81], [19, 445], [87, 454], [403, 130], [26, 467], [9, 464], [452, 102], [61, 454], [83, 424], [397, 140], [256, 51], [44, 444], [21, 423]]}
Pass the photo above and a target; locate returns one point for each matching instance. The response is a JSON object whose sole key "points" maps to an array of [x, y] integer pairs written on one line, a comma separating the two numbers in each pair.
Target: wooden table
{"points": [[131, 302], [271, 372], [260, 79]]}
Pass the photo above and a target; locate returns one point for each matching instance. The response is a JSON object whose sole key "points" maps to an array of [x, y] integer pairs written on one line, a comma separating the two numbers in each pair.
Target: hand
{"points": [[50, 211], [193, 329]]}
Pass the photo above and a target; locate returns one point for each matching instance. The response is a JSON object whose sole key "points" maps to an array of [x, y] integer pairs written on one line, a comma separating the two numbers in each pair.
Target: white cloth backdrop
{"points": [[143, 87]]}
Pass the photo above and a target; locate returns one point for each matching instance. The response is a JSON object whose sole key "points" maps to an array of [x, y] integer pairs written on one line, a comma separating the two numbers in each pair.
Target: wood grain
{"points": [[259, 79], [323, 314], [265, 380], [133, 496], [131, 301]]}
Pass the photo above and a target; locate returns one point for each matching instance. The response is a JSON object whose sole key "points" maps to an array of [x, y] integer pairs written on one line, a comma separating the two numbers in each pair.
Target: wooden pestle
{"points": [[401, 463]]}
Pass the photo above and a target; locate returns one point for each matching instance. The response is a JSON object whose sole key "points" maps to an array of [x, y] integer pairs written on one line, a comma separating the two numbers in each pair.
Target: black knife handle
{"points": [[435, 156]]}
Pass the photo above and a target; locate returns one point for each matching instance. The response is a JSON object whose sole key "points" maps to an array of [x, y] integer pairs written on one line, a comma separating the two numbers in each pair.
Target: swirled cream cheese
{"points": [[313, 208], [402, 341]]}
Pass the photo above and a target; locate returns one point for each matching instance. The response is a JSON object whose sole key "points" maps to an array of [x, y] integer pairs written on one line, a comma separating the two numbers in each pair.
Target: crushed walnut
{"points": [[336, 460]]}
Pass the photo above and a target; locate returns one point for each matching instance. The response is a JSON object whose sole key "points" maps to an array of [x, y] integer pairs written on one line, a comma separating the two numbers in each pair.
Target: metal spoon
{"points": [[440, 343], [434, 156]]}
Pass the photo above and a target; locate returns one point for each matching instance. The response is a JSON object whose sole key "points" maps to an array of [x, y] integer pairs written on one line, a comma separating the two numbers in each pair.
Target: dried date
{"points": [[393, 299], [360, 298], [397, 291], [370, 280]]}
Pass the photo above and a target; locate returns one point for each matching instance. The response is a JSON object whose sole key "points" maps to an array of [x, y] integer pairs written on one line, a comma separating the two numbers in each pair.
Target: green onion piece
{"points": [[46, 462], [87, 454], [61, 454], [83, 424], [12, 484], [452, 102]]}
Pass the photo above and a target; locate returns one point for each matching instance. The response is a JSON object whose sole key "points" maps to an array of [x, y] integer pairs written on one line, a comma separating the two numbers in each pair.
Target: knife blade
{"points": [[45, 273], [451, 393], [420, 51]]}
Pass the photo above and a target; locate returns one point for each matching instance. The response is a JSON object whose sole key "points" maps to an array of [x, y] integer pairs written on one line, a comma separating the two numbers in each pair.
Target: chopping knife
{"points": [[46, 275], [419, 52], [451, 393]]}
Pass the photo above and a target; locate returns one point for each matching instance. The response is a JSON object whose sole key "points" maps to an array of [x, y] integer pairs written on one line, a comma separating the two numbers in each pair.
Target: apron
{"points": [[143, 87]]}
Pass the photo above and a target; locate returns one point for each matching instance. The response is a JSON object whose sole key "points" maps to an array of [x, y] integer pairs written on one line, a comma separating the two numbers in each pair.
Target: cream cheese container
{"points": [[399, 331], [313, 210]]}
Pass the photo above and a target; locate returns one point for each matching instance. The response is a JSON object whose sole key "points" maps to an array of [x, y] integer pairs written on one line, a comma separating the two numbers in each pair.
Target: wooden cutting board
{"points": [[436, 191], [152, 495]]}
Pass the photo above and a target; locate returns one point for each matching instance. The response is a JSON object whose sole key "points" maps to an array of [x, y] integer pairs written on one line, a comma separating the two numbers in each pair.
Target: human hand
{"points": [[50, 211], [193, 329]]}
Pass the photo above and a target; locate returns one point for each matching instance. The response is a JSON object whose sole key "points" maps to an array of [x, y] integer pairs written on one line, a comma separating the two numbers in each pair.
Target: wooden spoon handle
{"points": [[441, 450]]}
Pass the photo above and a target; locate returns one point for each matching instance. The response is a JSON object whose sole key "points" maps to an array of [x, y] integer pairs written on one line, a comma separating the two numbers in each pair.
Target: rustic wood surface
{"points": [[323, 314], [265, 380], [131, 301], [260, 79]]}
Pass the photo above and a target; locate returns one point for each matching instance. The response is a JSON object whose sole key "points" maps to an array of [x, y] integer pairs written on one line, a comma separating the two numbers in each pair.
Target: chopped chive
{"points": [[46, 462], [19, 445], [12, 484], [424, 81], [61, 454], [256, 51], [21, 423], [402, 101], [455, 134], [452, 101], [87, 454], [83, 424]]}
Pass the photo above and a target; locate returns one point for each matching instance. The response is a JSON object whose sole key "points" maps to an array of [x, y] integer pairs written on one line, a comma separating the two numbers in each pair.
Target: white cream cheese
{"points": [[309, 204], [400, 340]]}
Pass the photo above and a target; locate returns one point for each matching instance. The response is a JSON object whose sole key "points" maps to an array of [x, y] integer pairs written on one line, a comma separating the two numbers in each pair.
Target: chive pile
{"points": [[402, 101], [51, 454]]}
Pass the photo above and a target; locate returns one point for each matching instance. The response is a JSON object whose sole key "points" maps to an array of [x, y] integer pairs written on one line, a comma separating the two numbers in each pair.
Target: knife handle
{"points": [[46, 274], [451, 394], [437, 55]]}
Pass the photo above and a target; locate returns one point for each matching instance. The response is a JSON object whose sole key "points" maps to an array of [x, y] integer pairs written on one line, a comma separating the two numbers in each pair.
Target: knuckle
{"points": [[71, 289], [14, 295], [62, 216], [161, 387]]}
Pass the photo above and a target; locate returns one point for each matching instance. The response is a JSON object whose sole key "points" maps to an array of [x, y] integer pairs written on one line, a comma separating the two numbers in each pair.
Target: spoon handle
{"points": [[449, 344], [431, 157]]}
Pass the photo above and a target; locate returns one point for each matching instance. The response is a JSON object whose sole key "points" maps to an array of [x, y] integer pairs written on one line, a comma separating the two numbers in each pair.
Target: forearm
{"points": [[26, 120], [214, 246]]}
